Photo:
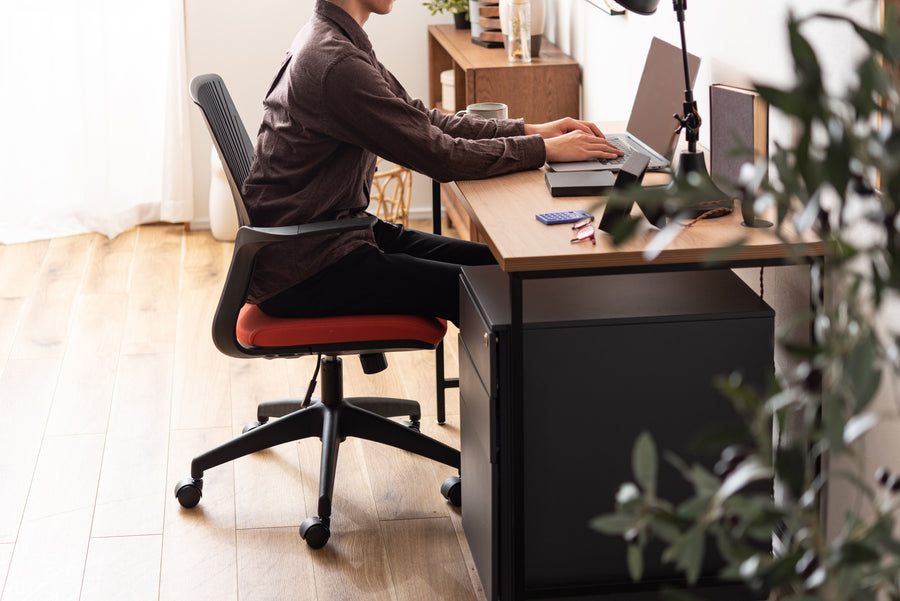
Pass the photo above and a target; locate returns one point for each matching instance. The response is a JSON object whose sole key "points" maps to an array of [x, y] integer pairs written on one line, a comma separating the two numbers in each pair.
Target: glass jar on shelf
{"points": [[519, 46]]}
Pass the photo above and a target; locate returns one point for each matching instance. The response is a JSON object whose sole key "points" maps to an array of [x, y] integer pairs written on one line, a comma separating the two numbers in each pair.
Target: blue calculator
{"points": [[563, 217]]}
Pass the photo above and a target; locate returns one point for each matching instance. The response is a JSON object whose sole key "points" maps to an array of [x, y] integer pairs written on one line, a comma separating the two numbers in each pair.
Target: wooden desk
{"points": [[503, 209]]}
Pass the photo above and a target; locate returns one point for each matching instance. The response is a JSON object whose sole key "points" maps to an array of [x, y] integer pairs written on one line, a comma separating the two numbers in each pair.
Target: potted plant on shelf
{"points": [[458, 8], [841, 177]]}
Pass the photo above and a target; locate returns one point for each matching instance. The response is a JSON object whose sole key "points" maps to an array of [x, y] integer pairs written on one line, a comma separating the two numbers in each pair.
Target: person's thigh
{"points": [[411, 272], [392, 238], [370, 282]]}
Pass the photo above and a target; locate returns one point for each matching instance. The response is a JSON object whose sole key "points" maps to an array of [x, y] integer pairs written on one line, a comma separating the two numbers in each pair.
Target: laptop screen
{"points": [[660, 95]]}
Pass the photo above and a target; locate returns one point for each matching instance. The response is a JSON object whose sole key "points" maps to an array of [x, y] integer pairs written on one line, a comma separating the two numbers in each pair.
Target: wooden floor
{"points": [[110, 384]]}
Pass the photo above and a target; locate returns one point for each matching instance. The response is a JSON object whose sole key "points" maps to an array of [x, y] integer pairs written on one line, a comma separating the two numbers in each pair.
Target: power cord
{"points": [[312, 383]]}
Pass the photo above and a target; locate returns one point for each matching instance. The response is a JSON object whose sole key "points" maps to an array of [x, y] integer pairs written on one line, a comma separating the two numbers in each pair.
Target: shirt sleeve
{"points": [[380, 117], [475, 127], [468, 126]]}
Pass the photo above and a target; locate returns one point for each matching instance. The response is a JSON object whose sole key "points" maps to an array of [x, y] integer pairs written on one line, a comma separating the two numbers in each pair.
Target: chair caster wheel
{"points": [[189, 491], [452, 490], [251, 426], [315, 532]]}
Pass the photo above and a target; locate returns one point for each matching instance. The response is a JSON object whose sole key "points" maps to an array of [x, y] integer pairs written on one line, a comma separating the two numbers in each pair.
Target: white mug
{"points": [[488, 110]]}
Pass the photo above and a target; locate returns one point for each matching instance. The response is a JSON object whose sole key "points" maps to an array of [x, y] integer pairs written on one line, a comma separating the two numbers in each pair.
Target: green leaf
{"points": [[881, 536], [833, 421], [704, 481], [858, 425], [644, 462], [624, 229], [693, 508], [628, 496], [790, 467], [735, 550], [854, 553], [750, 470], [861, 372], [805, 62], [782, 570], [690, 555], [667, 526], [612, 523], [635, 562], [786, 100]]}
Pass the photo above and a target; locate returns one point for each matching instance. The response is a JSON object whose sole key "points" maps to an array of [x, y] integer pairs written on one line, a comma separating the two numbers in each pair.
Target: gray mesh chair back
{"points": [[228, 133]]}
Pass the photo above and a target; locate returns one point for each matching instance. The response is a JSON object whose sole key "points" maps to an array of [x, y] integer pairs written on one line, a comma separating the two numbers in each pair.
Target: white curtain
{"points": [[93, 117]]}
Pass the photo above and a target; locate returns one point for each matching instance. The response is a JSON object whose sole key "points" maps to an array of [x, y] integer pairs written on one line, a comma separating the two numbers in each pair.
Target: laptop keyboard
{"points": [[624, 147]]}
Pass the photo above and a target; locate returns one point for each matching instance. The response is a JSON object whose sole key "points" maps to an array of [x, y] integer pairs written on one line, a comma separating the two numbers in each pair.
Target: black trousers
{"points": [[411, 273]]}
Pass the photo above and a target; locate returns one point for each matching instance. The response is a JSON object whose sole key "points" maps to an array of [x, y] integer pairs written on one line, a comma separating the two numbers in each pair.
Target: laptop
{"points": [[651, 128]]}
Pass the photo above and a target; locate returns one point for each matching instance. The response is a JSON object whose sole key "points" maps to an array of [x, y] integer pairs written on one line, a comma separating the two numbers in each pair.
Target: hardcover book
{"points": [[738, 131]]}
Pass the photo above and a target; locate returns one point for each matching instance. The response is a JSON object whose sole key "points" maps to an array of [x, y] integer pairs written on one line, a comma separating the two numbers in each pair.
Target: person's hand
{"points": [[578, 145], [561, 127]]}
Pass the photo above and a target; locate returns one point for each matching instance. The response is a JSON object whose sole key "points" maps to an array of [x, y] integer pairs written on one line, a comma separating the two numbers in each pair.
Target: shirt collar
{"points": [[348, 24]]}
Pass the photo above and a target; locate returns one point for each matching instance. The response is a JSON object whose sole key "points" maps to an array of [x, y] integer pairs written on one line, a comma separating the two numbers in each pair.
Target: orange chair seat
{"points": [[255, 328]]}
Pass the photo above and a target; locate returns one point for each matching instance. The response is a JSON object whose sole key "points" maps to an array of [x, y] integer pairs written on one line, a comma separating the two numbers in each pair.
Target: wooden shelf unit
{"points": [[546, 89]]}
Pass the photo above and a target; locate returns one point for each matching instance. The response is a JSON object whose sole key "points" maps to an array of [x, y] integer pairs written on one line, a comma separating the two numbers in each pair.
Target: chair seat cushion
{"points": [[255, 328]]}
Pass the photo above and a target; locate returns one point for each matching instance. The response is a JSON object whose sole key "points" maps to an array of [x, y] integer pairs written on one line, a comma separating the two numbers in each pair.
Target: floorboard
{"points": [[26, 394], [56, 526], [110, 385], [122, 567]]}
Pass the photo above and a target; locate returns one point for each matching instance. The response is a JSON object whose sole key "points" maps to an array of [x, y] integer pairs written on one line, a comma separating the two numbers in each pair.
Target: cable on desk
{"points": [[708, 214]]}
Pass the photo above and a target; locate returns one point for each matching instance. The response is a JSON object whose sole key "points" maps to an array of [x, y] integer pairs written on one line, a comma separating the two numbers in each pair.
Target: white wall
{"points": [[738, 41]]}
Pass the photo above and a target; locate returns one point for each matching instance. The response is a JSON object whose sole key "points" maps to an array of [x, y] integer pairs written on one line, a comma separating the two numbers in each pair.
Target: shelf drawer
{"points": [[476, 336], [478, 469]]}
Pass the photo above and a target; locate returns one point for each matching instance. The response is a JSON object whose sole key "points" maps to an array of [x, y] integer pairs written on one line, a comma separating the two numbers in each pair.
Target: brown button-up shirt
{"points": [[331, 109]]}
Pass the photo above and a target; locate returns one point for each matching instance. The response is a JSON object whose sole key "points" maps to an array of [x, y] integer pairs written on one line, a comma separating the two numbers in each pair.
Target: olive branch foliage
{"points": [[448, 6], [841, 179]]}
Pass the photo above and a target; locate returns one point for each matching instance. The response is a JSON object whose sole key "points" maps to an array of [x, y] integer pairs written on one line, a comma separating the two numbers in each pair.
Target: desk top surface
{"points": [[504, 209]]}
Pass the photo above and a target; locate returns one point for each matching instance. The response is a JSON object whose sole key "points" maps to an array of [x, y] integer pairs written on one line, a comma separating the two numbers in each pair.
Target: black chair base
{"points": [[333, 419]]}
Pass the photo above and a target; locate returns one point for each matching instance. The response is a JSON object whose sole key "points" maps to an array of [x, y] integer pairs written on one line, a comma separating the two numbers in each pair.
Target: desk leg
{"points": [[435, 207], [441, 382], [439, 351]]}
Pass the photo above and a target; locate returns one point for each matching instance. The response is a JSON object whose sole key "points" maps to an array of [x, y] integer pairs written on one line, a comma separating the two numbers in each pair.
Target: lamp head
{"points": [[641, 7]]}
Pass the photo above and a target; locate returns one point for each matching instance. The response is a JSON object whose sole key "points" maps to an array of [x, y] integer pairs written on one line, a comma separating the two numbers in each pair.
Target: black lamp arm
{"points": [[690, 119]]}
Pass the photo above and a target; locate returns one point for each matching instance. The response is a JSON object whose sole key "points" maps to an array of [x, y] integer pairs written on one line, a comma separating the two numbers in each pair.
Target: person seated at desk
{"points": [[330, 111]]}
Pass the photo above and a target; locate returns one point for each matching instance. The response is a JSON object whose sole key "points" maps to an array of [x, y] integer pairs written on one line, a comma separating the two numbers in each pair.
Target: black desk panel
{"points": [[606, 357]]}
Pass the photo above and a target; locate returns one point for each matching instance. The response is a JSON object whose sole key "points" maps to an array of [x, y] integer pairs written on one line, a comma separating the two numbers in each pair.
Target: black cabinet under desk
{"points": [[606, 357]]}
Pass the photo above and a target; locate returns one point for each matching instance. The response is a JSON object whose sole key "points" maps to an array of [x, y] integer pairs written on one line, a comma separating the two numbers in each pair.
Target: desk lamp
{"points": [[692, 159]]}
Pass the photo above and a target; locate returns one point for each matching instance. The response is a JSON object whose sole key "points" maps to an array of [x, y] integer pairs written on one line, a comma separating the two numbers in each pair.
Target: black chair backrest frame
{"points": [[236, 152], [228, 133]]}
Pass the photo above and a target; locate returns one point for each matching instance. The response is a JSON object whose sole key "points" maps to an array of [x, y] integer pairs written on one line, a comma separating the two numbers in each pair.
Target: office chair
{"points": [[242, 330]]}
